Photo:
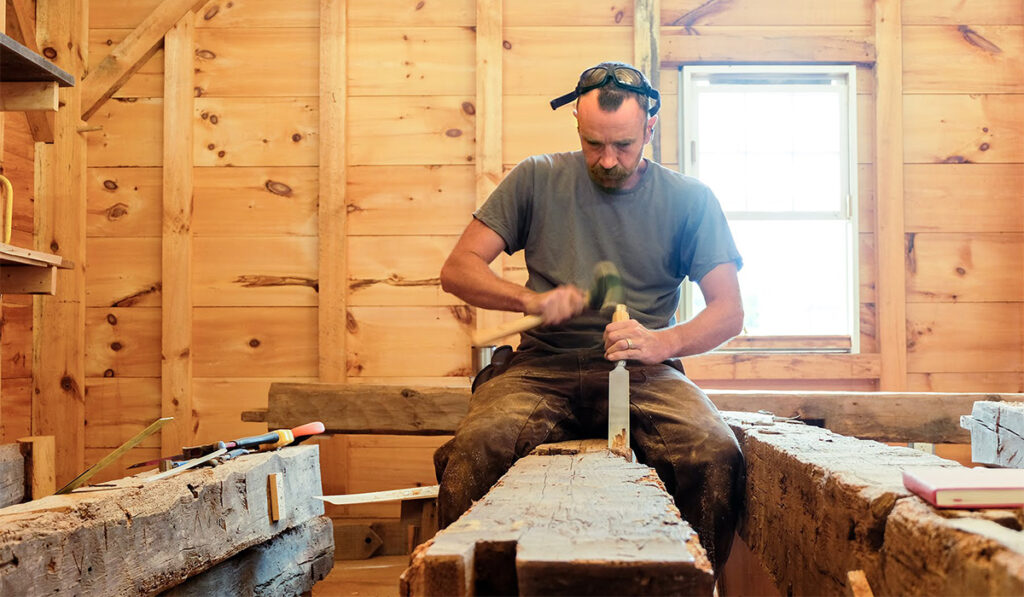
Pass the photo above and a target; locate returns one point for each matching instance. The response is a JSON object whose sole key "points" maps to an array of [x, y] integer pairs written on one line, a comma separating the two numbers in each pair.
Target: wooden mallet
{"points": [[605, 291]]}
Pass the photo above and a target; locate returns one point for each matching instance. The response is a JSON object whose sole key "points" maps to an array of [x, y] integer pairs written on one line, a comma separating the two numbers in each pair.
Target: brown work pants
{"points": [[547, 398]]}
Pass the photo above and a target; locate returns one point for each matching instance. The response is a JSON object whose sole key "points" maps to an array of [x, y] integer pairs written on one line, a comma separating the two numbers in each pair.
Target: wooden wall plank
{"points": [[959, 337], [333, 213], [411, 130], [147, 81], [256, 62], [177, 253], [254, 342], [956, 12], [256, 131], [254, 271], [890, 305], [117, 408], [386, 13], [963, 59], [58, 403], [215, 13], [767, 44], [123, 272], [16, 339], [219, 401], [259, 201], [124, 122], [16, 408], [567, 13], [531, 127], [938, 197], [964, 128], [402, 270], [409, 341], [416, 199], [528, 47], [410, 61], [1002, 381], [971, 267], [123, 202], [687, 13], [122, 342], [647, 58], [781, 366]]}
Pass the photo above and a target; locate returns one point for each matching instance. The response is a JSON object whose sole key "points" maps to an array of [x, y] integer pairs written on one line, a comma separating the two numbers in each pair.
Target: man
{"points": [[569, 211]]}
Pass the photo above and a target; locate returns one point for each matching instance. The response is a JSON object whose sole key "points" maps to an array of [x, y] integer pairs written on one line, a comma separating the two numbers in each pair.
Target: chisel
{"points": [[618, 401], [274, 439]]}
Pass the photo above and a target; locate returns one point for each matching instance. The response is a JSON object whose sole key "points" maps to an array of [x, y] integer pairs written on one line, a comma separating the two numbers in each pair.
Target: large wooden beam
{"points": [[289, 564], [129, 55], [332, 287], [820, 504], [997, 433], [890, 243], [12, 475], [569, 519], [133, 538], [930, 417], [176, 248], [58, 351]]}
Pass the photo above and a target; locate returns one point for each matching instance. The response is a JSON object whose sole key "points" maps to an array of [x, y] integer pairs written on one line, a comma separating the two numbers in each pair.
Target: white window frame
{"points": [[848, 211]]}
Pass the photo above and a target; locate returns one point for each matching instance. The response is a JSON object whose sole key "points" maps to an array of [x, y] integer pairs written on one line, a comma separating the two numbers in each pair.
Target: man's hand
{"points": [[558, 305], [629, 340]]}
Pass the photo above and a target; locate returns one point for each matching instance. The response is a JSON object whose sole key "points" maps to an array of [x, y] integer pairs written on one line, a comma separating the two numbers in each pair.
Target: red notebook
{"points": [[967, 487]]}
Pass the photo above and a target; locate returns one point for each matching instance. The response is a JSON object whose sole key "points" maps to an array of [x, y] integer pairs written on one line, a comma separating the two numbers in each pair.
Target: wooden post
{"points": [[333, 238], [176, 292], [39, 465], [891, 303], [488, 161], [646, 57], [58, 352]]}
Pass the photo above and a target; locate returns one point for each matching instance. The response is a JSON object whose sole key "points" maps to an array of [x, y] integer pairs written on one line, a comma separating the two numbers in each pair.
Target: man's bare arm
{"points": [[718, 322], [467, 274]]}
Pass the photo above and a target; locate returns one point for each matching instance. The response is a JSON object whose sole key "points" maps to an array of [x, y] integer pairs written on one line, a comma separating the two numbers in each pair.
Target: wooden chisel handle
{"points": [[485, 337]]}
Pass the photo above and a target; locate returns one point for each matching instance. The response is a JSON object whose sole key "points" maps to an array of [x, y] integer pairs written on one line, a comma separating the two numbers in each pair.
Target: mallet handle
{"points": [[485, 337]]}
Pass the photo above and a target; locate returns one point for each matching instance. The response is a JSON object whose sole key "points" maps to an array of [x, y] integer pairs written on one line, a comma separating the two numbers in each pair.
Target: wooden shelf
{"points": [[20, 64], [23, 271], [11, 255]]}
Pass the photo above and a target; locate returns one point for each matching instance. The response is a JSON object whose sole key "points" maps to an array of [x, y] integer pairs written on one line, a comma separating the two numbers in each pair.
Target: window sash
{"points": [[841, 78]]}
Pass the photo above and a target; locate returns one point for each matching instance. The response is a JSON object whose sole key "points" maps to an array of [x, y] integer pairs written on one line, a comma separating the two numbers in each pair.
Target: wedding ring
{"points": [[629, 343]]}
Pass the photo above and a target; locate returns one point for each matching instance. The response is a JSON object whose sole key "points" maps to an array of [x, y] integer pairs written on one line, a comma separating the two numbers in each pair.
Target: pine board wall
{"points": [[411, 170]]}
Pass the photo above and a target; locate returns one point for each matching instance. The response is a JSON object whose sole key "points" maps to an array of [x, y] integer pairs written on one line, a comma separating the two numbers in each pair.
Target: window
{"points": [[777, 146]]}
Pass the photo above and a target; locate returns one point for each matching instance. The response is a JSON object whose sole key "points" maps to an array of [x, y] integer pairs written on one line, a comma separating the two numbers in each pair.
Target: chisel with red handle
{"points": [[269, 441]]}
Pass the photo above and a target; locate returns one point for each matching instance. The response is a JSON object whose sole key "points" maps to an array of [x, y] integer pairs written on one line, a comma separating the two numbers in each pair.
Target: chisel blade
{"points": [[618, 411]]}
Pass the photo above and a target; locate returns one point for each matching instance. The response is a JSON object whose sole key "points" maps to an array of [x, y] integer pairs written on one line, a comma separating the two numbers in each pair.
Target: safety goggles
{"points": [[626, 77]]}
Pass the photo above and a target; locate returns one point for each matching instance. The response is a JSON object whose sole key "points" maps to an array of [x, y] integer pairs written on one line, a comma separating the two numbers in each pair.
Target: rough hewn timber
{"points": [[345, 408], [12, 475], [821, 504], [930, 417], [138, 538], [288, 564], [997, 433], [566, 521]]}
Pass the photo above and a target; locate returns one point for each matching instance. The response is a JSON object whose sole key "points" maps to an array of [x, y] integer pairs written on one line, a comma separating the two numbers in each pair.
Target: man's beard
{"points": [[610, 178]]}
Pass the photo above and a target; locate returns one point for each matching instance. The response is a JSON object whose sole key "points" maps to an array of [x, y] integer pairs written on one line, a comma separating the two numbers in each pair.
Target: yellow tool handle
{"points": [[8, 208], [485, 337], [620, 313], [284, 437]]}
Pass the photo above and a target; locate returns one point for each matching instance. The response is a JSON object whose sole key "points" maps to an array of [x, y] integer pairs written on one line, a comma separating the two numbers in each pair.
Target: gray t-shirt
{"points": [[668, 227]]}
